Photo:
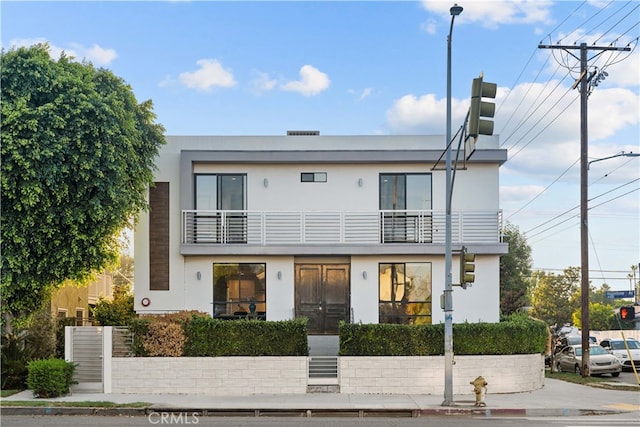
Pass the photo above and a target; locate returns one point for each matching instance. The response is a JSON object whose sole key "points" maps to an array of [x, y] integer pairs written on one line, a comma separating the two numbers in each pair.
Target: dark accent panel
{"points": [[159, 237]]}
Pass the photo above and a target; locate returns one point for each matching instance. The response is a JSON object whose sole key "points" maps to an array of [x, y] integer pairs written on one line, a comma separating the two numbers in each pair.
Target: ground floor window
{"points": [[239, 290], [405, 293]]}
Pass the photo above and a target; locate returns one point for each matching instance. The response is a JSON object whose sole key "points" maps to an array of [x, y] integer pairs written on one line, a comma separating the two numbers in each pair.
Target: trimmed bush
{"points": [[214, 337], [511, 337], [164, 339], [161, 335], [50, 377]]}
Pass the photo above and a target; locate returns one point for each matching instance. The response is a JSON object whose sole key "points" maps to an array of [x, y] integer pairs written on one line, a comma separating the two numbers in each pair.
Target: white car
{"points": [[618, 349]]}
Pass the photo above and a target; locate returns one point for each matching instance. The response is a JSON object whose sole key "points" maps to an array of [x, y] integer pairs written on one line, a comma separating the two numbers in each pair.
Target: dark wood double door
{"points": [[322, 295]]}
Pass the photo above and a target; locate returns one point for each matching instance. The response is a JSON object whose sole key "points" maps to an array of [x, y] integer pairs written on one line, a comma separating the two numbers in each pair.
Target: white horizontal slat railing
{"points": [[268, 228]]}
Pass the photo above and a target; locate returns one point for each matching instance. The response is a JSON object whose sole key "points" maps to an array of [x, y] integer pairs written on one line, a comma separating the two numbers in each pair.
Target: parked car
{"points": [[569, 359], [618, 349]]}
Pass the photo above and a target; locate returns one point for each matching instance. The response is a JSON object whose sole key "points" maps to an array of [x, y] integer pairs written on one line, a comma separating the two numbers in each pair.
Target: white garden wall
{"points": [[230, 376], [217, 376]]}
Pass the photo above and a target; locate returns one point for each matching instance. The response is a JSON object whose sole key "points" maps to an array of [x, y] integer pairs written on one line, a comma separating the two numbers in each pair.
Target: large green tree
{"points": [[554, 297], [515, 271], [78, 156]]}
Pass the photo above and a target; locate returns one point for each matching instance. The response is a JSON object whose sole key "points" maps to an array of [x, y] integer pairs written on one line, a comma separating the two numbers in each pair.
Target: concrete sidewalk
{"points": [[556, 398]]}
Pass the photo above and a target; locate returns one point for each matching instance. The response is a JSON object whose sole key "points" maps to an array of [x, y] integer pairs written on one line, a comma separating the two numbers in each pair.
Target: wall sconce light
{"points": [[279, 275], [360, 182], [265, 182], [199, 275], [364, 275]]}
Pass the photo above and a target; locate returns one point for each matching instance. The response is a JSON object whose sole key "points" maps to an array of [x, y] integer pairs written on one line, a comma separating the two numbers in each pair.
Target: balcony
{"points": [[360, 228]]}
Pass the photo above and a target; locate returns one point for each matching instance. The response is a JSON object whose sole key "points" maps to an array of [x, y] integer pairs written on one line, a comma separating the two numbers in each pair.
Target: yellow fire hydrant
{"points": [[480, 389]]}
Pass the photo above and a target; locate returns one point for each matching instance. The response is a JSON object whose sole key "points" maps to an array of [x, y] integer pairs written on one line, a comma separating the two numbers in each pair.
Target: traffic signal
{"points": [[467, 268], [627, 313], [480, 108]]}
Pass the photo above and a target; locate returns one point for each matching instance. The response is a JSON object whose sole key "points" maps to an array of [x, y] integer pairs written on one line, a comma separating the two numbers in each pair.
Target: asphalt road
{"points": [[627, 420]]}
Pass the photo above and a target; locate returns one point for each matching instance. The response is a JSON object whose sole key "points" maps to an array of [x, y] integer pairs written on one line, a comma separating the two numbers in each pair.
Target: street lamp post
{"points": [[448, 287]]}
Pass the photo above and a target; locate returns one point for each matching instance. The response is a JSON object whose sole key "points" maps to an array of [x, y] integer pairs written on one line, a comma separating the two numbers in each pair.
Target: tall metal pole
{"points": [[448, 287]]}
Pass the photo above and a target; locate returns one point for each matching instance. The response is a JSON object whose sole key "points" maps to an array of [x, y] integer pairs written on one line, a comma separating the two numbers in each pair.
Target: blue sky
{"points": [[373, 67]]}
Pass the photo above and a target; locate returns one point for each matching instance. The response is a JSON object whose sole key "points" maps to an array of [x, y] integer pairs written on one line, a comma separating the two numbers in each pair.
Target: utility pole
{"points": [[584, 81]]}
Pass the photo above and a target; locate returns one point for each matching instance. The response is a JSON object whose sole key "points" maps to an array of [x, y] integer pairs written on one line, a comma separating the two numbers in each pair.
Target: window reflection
{"points": [[239, 290], [405, 293]]}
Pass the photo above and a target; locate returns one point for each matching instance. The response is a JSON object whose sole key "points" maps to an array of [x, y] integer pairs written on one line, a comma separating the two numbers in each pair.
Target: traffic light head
{"points": [[627, 313], [467, 268], [479, 108]]}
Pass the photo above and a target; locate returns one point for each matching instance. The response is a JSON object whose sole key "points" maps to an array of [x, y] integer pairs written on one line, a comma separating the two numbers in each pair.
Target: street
{"points": [[625, 419]]}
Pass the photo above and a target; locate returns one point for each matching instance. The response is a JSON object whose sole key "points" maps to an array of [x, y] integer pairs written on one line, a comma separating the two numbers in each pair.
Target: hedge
{"points": [[504, 338], [247, 337]]}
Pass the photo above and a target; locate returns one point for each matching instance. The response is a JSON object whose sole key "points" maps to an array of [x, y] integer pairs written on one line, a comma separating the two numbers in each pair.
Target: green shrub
{"points": [[50, 377], [214, 337], [520, 336], [117, 311], [15, 356], [61, 323], [161, 335], [41, 335]]}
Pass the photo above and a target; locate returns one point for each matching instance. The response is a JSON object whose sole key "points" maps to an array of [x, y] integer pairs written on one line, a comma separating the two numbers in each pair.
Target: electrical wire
{"points": [[546, 188]]}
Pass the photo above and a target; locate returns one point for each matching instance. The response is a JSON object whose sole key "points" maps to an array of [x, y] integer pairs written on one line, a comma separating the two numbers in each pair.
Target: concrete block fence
{"points": [[241, 376], [236, 376], [425, 374]]}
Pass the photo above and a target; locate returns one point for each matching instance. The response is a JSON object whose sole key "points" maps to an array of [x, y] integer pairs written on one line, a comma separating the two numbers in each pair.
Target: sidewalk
{"points": [[556, 398]]}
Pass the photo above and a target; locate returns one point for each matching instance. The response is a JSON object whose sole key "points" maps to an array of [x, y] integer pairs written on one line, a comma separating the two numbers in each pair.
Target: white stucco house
{"points": [[327, 227]]}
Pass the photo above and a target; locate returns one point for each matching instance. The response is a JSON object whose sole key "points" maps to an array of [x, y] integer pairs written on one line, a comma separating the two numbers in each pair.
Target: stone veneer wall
{"points": [[221, 376], [230, 376], [425, 374]]}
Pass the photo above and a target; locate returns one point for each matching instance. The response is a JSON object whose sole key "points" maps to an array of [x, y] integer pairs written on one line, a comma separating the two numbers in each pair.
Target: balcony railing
{"points": [[269, 228]]}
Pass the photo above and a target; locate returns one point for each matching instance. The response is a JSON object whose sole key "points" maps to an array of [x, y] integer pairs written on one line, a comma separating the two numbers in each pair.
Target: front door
{"points": [[322, 295]]}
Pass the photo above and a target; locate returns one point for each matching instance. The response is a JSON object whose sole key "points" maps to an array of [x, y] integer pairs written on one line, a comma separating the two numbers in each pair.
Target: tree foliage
{"points": [[601, 317], [117, 311], [515, 271], [78, 156], [553, 297]]}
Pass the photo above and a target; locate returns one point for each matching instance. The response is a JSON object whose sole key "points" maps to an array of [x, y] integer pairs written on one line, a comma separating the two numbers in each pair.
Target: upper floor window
{"points": [[313, 177], [400, 191], [220, 191]]}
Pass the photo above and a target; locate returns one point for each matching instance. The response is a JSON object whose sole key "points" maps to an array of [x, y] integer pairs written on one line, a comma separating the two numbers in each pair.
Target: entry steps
{"points": [[323, 375]]}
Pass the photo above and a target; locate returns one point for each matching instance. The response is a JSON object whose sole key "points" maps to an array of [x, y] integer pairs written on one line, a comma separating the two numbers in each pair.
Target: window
{"points": [[79, 317], [313, 177], [405, 200], [220, 195], [62, 313], [405, 293], [239, 290]]}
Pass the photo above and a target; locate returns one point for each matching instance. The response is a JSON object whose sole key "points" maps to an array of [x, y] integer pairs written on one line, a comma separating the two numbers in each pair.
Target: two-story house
{"points": [[328, 227]]}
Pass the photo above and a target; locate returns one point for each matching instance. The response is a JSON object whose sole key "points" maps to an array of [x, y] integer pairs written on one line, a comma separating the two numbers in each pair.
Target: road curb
{"points": [[299, 412]]}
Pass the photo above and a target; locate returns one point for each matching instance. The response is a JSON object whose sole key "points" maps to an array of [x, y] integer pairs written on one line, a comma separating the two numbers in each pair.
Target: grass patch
{"points": [[600, 382], [7, 393], [575, 378], [83, 404]]}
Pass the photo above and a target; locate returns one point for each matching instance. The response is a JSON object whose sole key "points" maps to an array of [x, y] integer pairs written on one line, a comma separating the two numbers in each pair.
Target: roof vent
{"points": [[303, 132]]}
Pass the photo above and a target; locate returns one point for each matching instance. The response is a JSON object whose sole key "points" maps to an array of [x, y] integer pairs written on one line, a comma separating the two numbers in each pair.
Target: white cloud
{"points": [[492, 14], [262, 83], [210, 74], [96, 54], [519, 193], [424, 114], [312, 82]]}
